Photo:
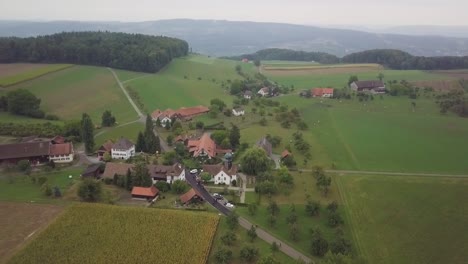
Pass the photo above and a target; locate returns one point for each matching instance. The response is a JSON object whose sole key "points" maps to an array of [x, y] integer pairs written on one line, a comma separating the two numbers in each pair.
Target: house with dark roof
{"points": [[146, 193], [376, 87], [123, 149], [248, 95], [36, 152], [222, 173], [265, 145], [93, 170]]}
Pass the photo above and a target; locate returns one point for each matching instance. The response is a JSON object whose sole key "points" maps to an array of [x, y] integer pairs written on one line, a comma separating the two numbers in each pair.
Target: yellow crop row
{"points": [[90, 233]]}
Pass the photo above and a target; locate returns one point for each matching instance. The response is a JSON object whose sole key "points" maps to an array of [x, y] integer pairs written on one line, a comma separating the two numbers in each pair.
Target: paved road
{"points": [[126, 94], [244, 222]]}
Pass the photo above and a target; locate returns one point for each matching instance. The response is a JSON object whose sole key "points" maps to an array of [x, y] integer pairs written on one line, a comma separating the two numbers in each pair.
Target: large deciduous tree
{"points": [[255, 161], [23, 102], [107, 119]]}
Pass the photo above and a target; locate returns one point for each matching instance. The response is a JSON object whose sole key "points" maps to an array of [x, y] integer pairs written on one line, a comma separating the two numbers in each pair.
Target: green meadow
{"points": [[129, 131], [406, 219], [69, 93], [32, 73]]}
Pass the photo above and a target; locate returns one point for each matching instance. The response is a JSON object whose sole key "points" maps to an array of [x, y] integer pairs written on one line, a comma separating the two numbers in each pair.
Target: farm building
{"points": [[191, 196], [123, 149], [93, 170], [265, 91], [105, 148], [245, 60], [205, 147], [285, 154], [114, 168], [61, 153], [222, 173], [377, 87], [169, 173], [238, 111], [322, 92], [38, 151], [184, 113], [248, 95], [148, 193], [265, 145]]}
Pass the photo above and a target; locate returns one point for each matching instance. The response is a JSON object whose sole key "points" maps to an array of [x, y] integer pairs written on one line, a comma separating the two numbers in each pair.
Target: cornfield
{"points": [[92, 233]]}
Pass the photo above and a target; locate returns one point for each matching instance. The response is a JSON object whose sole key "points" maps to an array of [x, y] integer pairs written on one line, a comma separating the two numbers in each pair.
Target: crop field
{"points": [[14, 73], [19, 222], [112, 234], [340, 80], [457, 74], [405, 219], [190, 81], [383, 135], [298, 69], [71, 92]]}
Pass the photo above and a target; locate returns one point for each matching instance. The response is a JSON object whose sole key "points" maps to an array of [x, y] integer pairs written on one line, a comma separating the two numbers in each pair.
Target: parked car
{"points": [[193, 171], [217, 196], [229, 205]]}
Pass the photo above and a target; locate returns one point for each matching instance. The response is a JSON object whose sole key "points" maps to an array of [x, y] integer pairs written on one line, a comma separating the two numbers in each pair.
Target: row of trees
{"points": [[291, 55], [117, 50]]}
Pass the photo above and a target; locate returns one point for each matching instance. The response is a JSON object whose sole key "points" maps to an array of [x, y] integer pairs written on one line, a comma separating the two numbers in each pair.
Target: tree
{"points": [[289, 161], [323, 183], [294, 231], [381, 76], [107, 156], [317, 171], [107, 119], [284, 176], [252, 233], [23, 102], [129, 180], [255, 161], [46, 189], [292, 217], [90, 190], [232, 220], [234, 136], [334, 219], [225, 144], [352, 78], [257, 63], [274, 247], [57, 192], [218, 103], [163, 186], [205, 176], [248, 253], [140, 144], [340, 246], [141, 176], [152, 143], [223, 256], [332, 207], [273, 208], [331, 258], [87, 132], [263, 121], [229, 238], [312, 208], [252, 207], [179, 187], [268, 260], [272, 220], [24, 166], [319, 245], [199, 125], [169, 157], [170, 140], [236, 87]]}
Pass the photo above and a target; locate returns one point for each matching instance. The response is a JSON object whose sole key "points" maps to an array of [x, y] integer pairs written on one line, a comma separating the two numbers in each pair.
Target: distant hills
{"points": [[227, 38]]}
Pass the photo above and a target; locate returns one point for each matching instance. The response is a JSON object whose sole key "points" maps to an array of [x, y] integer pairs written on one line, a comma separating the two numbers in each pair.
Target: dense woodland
{"points": [[287, 54], [134, 52]]}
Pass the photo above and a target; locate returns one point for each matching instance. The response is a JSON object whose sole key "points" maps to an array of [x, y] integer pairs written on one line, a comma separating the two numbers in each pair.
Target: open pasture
{"points": [[76, 90], [113, 234], [14, 73], [20, 222], [129, 131], [407, 219]]}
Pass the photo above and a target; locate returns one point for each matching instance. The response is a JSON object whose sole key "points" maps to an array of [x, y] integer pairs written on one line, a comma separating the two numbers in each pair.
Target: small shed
{"points": [[191, 196], [93, 170], [148, 193]]}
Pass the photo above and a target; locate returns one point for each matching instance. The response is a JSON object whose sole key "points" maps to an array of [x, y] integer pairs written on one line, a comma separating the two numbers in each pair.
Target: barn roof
{"points": [[24, 150]]}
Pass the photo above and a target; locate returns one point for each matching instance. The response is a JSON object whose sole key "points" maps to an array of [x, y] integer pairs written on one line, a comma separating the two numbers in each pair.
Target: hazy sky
{"points": [[357, 12]]}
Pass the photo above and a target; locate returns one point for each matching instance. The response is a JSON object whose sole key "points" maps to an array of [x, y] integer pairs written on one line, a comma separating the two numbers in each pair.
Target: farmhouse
{"points": [[185, 113], [205, 147], [265, 91], [105, 148], [265, 145], [322, 92], [147, 193], [61, 153], [248, 95], [123, 149], [238, 111], [191, 196], [38, 151], [245, 60], [222, 173], [168, 173], [377, 87]]}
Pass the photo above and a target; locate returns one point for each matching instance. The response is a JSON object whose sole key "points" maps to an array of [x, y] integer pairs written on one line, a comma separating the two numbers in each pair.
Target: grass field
{"points": [[129, 131], [310, 69], [170, 89], [19, 222], [112, 234], [71, 92], [11, 74], [20, 188], [408, 219]]}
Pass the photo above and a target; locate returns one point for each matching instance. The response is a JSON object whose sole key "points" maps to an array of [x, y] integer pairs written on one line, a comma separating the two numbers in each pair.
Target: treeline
{"points": [[397, 59], [287, 54], [134, 52]]}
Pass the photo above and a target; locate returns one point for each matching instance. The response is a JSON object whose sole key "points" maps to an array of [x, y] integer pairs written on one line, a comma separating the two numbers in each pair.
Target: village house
{"points": [[248, 95], [61, 153], [322, 92], [238, 111], [169, 173], [265, 145], [205, 147], [123, 149], [184, 113], [222, 173], [105, 148], [145, 193], [265, 91], [376, 87]]}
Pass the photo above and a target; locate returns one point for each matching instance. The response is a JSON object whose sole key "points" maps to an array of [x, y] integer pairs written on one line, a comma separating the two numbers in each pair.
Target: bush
{"points": [[163, 186], [24, 166], [41, 180], [90, 190], [51, 117], [46, 190]]}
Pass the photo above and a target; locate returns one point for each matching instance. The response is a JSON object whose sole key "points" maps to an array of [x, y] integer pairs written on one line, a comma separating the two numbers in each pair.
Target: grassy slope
{"points": [[21, 189], [129, 131], [70, 92], [169, 88], [31, 74], [408, 219], [341, 80]]}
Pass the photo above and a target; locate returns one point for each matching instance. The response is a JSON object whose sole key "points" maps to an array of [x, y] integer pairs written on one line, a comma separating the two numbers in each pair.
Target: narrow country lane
{"points": [[140, 115]]}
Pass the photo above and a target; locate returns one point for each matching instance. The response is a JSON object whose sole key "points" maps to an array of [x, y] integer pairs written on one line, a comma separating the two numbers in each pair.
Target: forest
{"points": [[134, 52], [287, 54]]}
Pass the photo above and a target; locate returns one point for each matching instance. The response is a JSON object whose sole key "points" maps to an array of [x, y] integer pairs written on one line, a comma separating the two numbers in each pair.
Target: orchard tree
{"points": [[255, 161], [319, 245], [229, 238], [252, 207], [273, 208], [223, 256], [252, 233], [248, 253], [312, 208], [232, 220], [87, 132]]}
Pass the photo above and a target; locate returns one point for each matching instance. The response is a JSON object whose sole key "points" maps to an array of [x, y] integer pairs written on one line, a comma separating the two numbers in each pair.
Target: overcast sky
{"points": [[349, 12]]}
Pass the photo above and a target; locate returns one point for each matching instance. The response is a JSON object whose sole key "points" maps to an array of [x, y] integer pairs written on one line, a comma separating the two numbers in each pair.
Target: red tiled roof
{"points": [[107, 146], [145, 191], [204, 144], [285, 154], [61, 149], [321, 91], [184, 198], [191, 111]]}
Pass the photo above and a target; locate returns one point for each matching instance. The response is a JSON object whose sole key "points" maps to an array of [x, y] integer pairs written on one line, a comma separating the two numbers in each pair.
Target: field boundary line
{"points": [[38, 76], [394, 173], [139, 77], [345, 144], [126, 93]]}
